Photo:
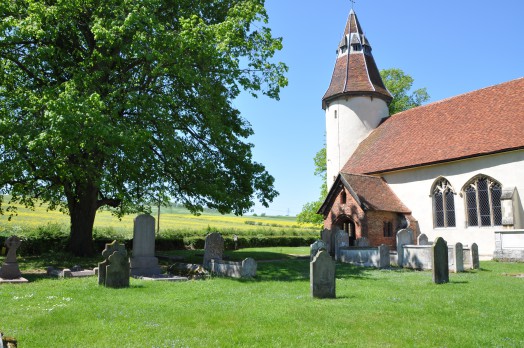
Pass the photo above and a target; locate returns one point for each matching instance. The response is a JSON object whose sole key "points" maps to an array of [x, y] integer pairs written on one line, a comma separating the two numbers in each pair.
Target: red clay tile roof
{"points": [[486, 121], [355, 73], [372, 193]]}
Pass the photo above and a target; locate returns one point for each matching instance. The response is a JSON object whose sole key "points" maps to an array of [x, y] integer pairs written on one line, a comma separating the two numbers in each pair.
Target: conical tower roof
{"points": [[355, 70]]}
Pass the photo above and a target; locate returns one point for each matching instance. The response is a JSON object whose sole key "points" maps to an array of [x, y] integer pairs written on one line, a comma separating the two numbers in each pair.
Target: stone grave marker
{"points": [[362, 242], [10, 272], [458, 258], [315, 248], [114, 271], [213, 248], [423, 239], [439, 254], [322, 276], [404, 237], [143, 260], [383, 251], [341, 241], [475, 256]]}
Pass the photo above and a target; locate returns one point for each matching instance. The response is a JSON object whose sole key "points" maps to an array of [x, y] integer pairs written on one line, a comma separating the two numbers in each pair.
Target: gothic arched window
{"points": [[443, 204], [482, 198]]}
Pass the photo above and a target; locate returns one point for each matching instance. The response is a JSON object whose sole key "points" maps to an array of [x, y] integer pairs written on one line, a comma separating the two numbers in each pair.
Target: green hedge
{"points": [[55, 237]]}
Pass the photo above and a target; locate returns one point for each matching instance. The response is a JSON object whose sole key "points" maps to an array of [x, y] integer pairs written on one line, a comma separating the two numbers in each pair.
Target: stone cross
{"points": [[322, 276], [10, 269], [440, 269]]}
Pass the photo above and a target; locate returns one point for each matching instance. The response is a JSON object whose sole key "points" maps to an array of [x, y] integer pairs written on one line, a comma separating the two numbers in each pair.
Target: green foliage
{"points": [[118, 104], [399, 85]]}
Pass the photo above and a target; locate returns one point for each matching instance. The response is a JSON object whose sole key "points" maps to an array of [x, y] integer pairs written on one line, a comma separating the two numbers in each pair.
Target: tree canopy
{"points": [[399, 85], [115, 104]]}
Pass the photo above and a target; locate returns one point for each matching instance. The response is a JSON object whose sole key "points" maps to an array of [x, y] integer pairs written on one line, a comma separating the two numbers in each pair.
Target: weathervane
{"points": [[352, 3]]}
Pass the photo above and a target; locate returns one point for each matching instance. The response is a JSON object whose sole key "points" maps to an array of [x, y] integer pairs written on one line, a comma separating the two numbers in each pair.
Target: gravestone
{"points": [[341, 241], [362, 242], [249, 268], [383, 252], [475, 256], [322, 276], [404, 237], [458, 258], [423, 239], [114, 271], [439, 255], [213, 248], [10, 272], [315, 248], [143, 261]]}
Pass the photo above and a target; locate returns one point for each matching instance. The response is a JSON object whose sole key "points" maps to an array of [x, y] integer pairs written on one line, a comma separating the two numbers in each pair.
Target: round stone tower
{"points": [[356, 100]]}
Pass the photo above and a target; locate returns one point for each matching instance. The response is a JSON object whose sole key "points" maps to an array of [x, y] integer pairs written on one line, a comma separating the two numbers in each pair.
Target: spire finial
{"points": [[352, 3]]}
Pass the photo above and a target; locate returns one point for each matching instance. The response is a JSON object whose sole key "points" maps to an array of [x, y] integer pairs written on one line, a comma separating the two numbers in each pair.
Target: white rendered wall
{"points": [[413, 187], [355, 118]]}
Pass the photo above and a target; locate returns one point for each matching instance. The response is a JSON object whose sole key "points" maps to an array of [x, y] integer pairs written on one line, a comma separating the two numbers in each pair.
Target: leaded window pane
{"points": [[471, 203], [496, 192], [484, 207], [439, 210], [450, 209]]}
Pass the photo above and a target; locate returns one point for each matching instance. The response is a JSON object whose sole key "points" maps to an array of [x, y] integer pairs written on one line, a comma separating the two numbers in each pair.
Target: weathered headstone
{"points": [[249, 268], [10, 272], [439, 253], [315, 248], [383, 252], [114, 271], [341, 241], [458, 258], [143, 260], [362, 242], [213, 248], [475, 256], [423, 239], [322, 276], [404, 237]]}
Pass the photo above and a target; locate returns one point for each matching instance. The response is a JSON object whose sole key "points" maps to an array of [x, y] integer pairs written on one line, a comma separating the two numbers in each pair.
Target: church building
{"points": [[452, 168]]}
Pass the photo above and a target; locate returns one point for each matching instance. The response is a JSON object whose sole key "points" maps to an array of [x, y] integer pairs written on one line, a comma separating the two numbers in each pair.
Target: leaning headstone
{"points": [[315, 248], [423, 239], [322, 276], [10, 272], [458, 258], [114, 271], [341, 241], [404, 237], [439, 253], [213, 248], [475, 256], [143, 261]]}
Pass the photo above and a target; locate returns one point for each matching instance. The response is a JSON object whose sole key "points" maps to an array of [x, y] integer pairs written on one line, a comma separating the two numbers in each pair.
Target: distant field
{"points": [[171, 218]]}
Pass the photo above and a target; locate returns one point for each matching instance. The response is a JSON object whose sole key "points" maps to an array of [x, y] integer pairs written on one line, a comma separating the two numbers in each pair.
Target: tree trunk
{"points": [[82, 209]]}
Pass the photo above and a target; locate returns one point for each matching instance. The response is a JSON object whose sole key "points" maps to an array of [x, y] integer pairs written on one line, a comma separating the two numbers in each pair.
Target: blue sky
{"points": [[448, 46]]}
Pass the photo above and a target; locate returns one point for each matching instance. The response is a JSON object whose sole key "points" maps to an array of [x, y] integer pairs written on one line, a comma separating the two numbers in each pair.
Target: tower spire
{"points": [[355, 71]]}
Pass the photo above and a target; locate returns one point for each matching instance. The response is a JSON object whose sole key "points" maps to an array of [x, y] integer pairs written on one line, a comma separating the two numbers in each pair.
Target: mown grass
{"points": [[373, 308]]}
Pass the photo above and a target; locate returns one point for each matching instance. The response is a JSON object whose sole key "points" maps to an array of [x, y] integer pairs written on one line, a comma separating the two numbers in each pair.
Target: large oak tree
{"points": [[111, 103]]}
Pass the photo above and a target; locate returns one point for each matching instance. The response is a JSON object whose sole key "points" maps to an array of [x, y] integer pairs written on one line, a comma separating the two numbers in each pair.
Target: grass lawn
{"points": [[373, 308]]}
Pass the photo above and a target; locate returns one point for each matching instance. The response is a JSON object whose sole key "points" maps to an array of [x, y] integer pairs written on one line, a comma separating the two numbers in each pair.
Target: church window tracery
{"points": [[482, 199], [443, 204]]}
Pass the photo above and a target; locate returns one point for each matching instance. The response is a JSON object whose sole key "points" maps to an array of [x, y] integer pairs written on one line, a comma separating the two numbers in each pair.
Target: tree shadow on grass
{"points": [[298, 270]]}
